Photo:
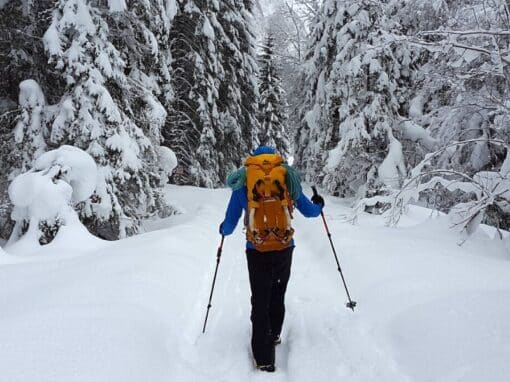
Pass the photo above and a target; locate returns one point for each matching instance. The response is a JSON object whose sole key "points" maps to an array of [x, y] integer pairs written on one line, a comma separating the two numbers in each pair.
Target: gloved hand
{"points": [[317, 199], [221, 229]]}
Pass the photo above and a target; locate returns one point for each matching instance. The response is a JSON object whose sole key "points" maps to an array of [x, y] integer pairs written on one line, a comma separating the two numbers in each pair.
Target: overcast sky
{"points": [[267, 5]]}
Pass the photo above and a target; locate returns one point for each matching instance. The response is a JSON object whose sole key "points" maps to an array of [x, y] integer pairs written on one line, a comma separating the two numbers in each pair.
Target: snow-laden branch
{"points": [[466, 33], [460, 46], [487, 187]]}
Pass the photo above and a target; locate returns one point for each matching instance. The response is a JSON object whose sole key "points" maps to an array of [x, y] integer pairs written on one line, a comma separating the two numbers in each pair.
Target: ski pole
{"points": [[351, 304], [218, 257]]}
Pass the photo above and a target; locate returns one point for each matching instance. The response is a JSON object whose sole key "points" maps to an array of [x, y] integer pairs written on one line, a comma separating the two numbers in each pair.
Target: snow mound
{"points": [[43, 197]]}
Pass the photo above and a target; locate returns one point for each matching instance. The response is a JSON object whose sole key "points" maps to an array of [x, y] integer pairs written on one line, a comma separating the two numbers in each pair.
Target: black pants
{"points": [[269, 274]]}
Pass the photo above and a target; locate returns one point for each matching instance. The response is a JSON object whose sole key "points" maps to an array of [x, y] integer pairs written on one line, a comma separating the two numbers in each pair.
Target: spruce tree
{"points": [[238, 90], [192, 121], [212, 121], [272, 105]]}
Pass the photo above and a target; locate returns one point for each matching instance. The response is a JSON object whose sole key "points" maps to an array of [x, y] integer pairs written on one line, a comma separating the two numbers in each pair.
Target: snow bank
{"points": [[7, 258], [43, 197]]}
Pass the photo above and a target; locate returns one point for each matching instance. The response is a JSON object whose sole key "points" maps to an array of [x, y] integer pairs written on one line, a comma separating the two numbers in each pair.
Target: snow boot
{"points": [[269, 368]]}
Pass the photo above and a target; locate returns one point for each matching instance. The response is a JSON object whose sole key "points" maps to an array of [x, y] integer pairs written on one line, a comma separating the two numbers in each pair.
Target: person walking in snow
{"points": [[267, 189]]}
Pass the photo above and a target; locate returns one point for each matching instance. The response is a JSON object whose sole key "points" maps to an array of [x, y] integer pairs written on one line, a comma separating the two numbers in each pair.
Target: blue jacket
{"points": [[239, 202]]}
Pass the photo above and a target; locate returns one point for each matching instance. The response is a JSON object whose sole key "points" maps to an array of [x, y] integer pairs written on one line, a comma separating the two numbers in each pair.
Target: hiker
{"points": [[267, 189]]}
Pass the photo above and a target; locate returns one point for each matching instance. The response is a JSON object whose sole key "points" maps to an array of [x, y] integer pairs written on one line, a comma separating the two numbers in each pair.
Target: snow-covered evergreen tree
{"points": [[193, 115], [272, 106], [212, 122], [238, 94], [357, 81], [111, 61]]}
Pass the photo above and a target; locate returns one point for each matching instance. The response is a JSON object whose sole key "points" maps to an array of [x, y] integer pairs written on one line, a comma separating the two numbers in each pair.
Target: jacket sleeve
{"points": [[307, 208], [234, 211]]}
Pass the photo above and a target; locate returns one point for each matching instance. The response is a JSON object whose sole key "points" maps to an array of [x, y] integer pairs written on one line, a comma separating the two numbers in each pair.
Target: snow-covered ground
{"points": [[132, 310]]}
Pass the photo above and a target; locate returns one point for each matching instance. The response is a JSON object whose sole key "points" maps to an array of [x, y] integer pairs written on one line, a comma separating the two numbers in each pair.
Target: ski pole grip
{"points": [[314, 189]]}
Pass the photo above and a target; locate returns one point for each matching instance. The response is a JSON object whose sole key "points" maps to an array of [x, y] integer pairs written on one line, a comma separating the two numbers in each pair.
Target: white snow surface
{"points": [[132, 310]]}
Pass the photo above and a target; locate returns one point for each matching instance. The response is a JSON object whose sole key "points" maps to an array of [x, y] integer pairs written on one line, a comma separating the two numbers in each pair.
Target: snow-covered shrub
{"points": [[44, 197], [487, 191]]}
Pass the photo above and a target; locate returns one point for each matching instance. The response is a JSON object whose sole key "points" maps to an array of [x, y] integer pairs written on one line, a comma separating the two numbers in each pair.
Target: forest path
{"points": [[322, 339]]}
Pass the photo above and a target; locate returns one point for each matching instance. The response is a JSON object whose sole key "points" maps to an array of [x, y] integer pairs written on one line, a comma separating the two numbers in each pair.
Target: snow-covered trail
{"points": [[133, 310]]}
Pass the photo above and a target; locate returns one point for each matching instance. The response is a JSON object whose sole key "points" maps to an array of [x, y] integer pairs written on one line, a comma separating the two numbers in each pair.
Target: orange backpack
{"points": [[268, 221]]}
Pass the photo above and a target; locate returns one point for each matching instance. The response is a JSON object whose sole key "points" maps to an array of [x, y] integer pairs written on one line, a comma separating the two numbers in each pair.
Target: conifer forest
{"points": [[385, 102], [365, 142]]}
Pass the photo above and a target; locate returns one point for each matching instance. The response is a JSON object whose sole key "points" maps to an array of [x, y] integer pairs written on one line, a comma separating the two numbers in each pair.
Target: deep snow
{"points": [[132, 310]]}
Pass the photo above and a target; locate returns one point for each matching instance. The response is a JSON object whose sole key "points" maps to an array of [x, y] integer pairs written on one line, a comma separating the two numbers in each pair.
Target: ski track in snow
{"points": [[133, 310]]}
